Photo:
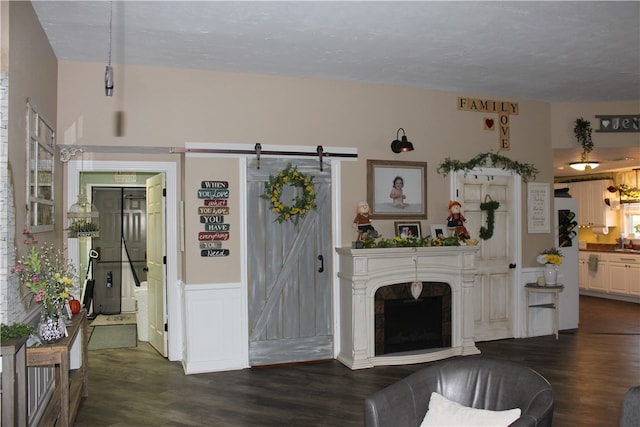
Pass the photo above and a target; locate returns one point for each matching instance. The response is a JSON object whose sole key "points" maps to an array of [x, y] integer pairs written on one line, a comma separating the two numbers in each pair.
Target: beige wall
{"points": [[31, 66], [168, 107], [32, 75], [564, 115]]}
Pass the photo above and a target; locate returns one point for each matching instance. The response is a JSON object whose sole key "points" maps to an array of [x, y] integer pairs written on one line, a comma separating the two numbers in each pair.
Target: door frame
{"points": [[517, 290], [172, 287]]}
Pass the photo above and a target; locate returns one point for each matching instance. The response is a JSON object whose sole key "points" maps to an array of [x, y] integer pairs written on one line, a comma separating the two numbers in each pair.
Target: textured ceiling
{"points": [[548, 51]]}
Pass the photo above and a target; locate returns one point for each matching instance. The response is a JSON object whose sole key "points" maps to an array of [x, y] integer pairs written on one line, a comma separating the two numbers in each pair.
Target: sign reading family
{"points": [[619, 123], [504, 109], [214, 196]]}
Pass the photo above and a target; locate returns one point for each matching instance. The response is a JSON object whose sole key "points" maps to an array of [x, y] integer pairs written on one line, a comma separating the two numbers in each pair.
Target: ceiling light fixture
{"points": [[585, 166], [108, 71], [398, 146]]}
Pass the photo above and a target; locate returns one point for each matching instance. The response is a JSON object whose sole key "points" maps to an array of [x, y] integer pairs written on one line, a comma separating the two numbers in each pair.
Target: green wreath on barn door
{"points": [[490, 206]]}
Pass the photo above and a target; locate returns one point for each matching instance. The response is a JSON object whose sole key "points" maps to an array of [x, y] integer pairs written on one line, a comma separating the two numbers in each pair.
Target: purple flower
{"points": [[38, 297]]}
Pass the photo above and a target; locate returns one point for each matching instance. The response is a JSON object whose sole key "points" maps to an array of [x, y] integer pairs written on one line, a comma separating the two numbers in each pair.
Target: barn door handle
{"points": [[321, 259]]}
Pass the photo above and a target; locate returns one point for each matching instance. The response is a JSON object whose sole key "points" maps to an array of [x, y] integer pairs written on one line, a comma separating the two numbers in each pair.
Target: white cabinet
{"points": [[615, 274], [583, 271], [597, 280], [624, 274], [592, 208], [594, 276]]}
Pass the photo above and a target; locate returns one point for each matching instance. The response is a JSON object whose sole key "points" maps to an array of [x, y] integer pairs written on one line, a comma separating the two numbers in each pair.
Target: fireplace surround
{"points": [[363, 271]]}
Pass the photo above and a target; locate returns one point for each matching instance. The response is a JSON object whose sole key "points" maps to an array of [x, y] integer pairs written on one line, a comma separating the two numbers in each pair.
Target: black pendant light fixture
{"points": [[400, 145]]}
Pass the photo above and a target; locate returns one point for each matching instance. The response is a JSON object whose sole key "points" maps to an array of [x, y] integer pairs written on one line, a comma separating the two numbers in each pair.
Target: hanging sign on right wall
{"points": [[619, 123]]}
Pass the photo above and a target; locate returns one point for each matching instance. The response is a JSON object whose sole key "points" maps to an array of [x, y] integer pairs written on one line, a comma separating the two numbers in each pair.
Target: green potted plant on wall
{"points": [[582, 130]]}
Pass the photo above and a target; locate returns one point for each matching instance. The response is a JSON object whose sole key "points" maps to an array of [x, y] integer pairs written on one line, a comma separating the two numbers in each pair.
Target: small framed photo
{"points": [[408, 229], [397, 189], [439, 231]]}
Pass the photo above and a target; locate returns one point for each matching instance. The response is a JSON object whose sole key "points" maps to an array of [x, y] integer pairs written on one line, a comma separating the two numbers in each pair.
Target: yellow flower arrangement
{"points": [[550, 256], [300, 205]]}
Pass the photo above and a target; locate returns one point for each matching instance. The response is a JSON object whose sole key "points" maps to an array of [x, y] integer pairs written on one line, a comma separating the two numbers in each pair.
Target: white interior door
{"points": [[494, 282], [134, 230], [156, 275]]}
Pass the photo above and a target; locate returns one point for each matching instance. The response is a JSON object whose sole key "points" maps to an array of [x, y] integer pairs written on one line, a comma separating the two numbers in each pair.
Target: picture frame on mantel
{"points": [[397, 189], [439, 231], [407, 229]]}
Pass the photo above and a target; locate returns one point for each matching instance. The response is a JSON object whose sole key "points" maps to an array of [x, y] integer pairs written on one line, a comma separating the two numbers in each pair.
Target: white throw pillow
{"points": [[444, 412]]}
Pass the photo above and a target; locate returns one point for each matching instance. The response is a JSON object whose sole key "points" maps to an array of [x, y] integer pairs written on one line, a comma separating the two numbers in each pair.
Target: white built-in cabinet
{"points": [[616, 274], [583, 271], [592, 279], [592, 207], [624, 274]]}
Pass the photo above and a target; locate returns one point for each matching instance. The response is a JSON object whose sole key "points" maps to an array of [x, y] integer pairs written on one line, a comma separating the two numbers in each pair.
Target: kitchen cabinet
{"points": [[597, 280], [583, 271], [617, 275], [624, 274], [593, 211]]}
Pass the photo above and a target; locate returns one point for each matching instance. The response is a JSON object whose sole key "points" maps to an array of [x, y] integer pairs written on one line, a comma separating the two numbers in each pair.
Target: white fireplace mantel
{"points": [[363, 271]]}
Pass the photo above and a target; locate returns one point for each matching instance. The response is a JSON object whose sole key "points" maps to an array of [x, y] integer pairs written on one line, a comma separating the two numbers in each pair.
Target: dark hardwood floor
{"points": [[590, 369]]}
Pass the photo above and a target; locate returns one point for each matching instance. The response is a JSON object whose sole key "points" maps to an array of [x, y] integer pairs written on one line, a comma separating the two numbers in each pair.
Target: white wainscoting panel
{"points": [[215, 328]]}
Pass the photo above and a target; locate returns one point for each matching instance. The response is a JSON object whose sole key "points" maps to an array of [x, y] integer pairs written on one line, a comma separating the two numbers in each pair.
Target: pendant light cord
{"points": [[110, 28]]}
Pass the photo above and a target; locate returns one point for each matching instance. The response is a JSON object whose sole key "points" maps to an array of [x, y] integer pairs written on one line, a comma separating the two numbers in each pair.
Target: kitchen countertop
{"points": [[595, 247]]}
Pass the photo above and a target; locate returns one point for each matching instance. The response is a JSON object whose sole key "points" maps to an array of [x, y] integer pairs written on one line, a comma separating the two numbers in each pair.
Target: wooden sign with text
{"points": [[213, 235], [213, 194], [215, 198], [504, 109], [619, 123], [213, 210], [211, 245], [214, 252]]}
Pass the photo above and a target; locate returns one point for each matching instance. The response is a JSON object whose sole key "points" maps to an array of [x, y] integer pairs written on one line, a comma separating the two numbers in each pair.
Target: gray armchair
{"points": [[476, 382], [631, 408]]}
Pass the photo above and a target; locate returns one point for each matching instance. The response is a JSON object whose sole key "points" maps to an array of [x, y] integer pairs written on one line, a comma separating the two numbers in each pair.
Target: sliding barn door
{"points": [[289, 271]]}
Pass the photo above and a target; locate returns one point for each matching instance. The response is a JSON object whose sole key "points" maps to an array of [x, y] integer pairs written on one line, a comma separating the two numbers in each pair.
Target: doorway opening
{"points": [[163, 297], [121, 264]]}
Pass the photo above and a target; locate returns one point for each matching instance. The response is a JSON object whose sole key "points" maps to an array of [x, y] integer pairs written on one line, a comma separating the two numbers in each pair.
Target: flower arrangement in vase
{"points": [[48, 276], [551, 259]]}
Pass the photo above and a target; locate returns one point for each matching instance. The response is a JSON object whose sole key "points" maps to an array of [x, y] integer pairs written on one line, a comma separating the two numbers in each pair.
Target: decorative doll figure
{"points": [[362, 221], [397, 194], [455, 220]]}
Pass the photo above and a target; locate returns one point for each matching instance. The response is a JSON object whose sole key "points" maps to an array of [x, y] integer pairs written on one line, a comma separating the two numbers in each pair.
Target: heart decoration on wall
{"points": [[488, 123]]}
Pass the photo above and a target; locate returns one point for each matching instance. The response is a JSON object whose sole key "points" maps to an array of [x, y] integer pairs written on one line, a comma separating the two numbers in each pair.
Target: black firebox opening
{"points": [[411, 324]]}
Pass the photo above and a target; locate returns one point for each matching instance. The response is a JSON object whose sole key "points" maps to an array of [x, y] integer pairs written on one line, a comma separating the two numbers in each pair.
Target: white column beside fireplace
{"points": [[363, 271]]}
